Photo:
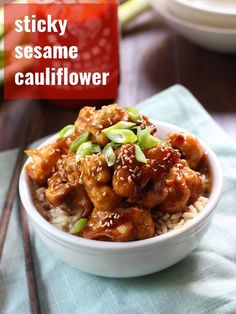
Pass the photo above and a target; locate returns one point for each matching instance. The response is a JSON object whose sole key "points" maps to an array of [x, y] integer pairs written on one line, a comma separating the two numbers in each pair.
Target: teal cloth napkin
{"points": [[204, 282]]}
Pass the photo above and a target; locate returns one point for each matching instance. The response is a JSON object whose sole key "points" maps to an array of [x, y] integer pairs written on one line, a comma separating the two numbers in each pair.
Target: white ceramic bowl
{"points": [[128, 259], [215, 13], [213, 38]]}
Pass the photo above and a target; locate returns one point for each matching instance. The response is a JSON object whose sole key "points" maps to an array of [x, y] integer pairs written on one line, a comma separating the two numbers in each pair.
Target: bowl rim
{"points": [[207, 10], [162, 10], [214, 197]]}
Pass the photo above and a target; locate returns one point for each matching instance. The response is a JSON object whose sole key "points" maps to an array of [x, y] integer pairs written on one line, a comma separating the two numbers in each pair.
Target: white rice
{"points": [[40, 194], [61, 219]]}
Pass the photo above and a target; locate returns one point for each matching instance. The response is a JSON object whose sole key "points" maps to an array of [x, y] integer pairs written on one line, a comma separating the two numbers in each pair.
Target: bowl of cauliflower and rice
{"points": [[116, 185]]}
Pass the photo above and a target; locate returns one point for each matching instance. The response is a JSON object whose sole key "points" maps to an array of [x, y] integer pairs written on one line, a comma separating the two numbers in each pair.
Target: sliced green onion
{"points": [[1, 56], [66, 131], [78, 141], [108, 152], [146, 140], [119, 125], [139, 155], [96, 149], [137, 129], [79, 225], [1, 63], [133, 114], [122, 136], [84, 150]]}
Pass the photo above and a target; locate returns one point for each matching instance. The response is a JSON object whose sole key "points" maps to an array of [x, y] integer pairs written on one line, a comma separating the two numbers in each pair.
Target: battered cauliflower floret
{"points": [[122, 224], [44, 161], [194, 181], [58, 189], [69, 169], [96, 178], [126, 171], [94, 121], [177, 193], [184, 186], [189, 147], [65, 188], [160, 160], [143, 183]]}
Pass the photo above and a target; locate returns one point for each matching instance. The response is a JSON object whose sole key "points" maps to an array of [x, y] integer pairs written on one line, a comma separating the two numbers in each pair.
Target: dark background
{"points": [[152, 58]]}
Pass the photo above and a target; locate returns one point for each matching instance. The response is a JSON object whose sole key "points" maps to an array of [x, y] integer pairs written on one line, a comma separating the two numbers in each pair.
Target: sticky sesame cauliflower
{"points": [[109, 177]]}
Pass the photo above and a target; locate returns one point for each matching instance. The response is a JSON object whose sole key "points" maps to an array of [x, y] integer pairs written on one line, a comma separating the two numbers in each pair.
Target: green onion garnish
{"points": [[119, 125], [122, 136], [66, 131], [146, 140], [96, 149], [137, 129], [108, 152], [84, 150], [79, 225], [139, 155], [133, 114], [78, 141]]}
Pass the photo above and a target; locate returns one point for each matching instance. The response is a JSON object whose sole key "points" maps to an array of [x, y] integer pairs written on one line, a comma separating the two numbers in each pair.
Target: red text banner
{"points": [[61, 51]]}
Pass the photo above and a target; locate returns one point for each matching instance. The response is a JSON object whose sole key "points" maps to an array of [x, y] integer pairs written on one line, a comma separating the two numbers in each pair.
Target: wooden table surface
{"points": [[152, 59]]}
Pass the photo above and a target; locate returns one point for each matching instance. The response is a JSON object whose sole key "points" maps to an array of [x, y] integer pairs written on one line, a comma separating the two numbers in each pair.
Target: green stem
{"points": [[130, 10], [1, 22]]}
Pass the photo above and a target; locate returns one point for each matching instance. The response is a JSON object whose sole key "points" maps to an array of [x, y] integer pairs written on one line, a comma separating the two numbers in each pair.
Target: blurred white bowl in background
{"points": [[217, 13], [227, 7], [213, 38]]}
